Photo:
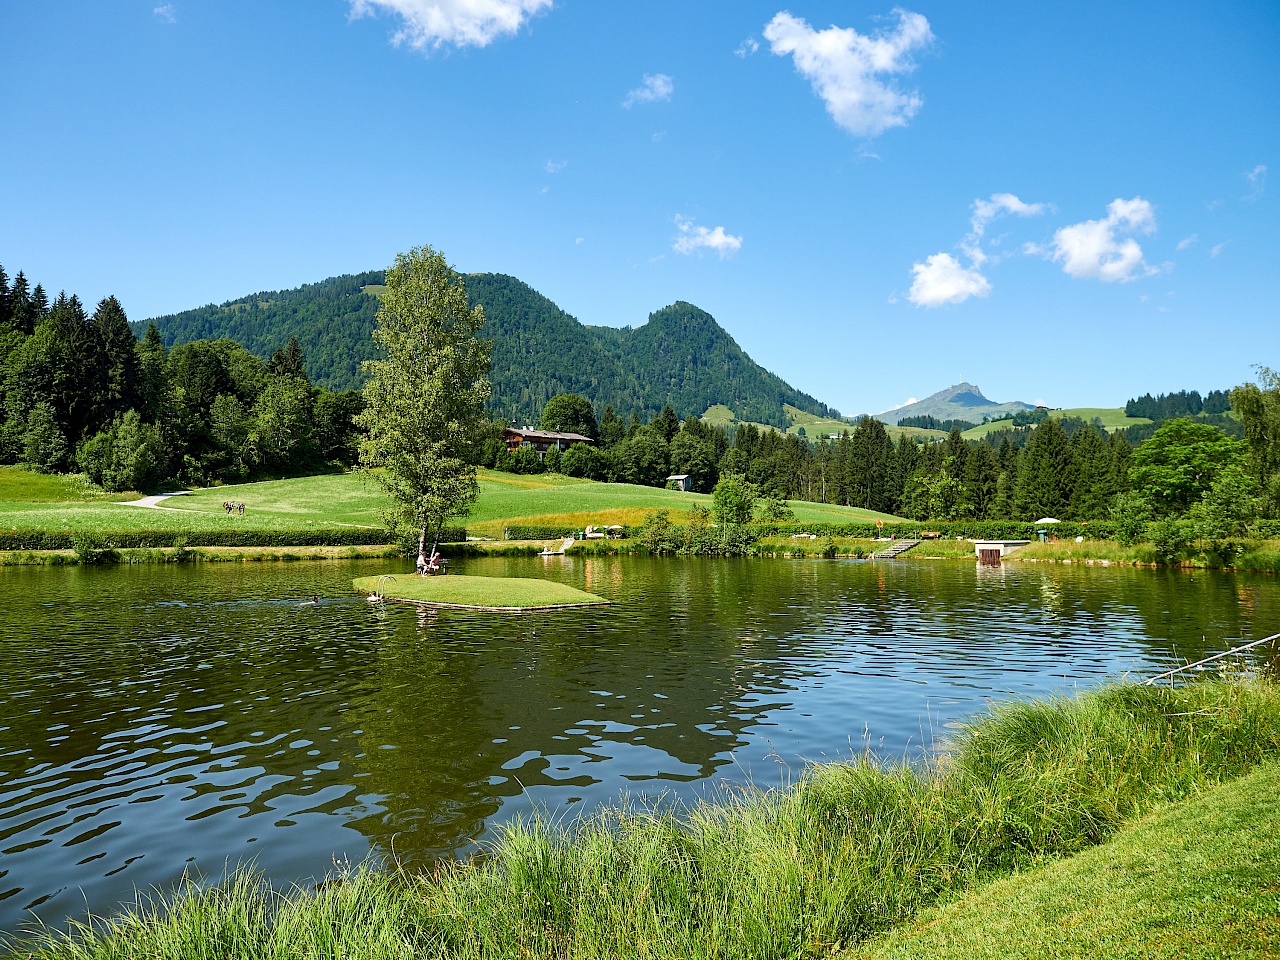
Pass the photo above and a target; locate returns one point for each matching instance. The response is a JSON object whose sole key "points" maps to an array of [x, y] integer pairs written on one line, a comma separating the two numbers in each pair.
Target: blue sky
{"points": [[1064, 203]]}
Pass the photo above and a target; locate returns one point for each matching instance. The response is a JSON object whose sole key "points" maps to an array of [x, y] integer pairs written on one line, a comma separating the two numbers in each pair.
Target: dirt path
{"points": [[154, 502]]}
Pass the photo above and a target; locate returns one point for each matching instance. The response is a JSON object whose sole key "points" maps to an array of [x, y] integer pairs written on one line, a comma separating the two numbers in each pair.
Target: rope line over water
{"points": [[1217, 656]]}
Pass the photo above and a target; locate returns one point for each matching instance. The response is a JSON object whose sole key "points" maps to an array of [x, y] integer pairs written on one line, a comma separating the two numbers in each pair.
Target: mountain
{"points": [[963, 401], [681, 356]]}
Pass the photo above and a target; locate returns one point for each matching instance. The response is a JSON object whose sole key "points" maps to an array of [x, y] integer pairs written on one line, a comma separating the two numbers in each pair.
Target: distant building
{"points": [[682, 481], [540, 440]]}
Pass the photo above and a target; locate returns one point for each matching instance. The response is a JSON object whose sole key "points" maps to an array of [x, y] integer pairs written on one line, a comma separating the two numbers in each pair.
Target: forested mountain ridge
{"points": [[681, 357]]}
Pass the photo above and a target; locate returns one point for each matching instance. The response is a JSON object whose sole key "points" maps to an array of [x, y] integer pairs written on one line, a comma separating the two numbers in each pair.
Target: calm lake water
{"points": [[156, 719]]}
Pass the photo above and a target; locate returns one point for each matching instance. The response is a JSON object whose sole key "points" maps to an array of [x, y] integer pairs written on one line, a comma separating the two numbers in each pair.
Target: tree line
{"points": [[81, 392], [1052, 473]]}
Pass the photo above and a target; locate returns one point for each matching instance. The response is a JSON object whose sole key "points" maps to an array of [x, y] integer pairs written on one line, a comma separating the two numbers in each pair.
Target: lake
{"points": [[156, 719]]}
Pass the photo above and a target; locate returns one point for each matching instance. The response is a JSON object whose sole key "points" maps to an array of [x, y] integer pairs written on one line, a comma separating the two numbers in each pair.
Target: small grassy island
{"points": [[502, 594]]}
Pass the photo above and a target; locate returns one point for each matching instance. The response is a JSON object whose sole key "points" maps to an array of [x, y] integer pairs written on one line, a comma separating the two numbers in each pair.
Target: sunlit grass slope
{"points": [[34, 502], [542, 500], [1195, 880]]}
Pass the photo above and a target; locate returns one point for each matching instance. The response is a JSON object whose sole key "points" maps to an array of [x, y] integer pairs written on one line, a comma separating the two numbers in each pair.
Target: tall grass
{"points": [[848, 851]]}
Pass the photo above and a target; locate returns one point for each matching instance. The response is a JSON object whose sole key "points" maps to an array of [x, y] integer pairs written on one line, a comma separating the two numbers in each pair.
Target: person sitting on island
{"points": [[429, 567]]}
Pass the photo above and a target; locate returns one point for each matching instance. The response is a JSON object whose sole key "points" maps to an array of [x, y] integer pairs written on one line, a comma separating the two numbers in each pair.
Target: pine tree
{"points": [[288, 362], [667, 423], [1046, 474], [119, 361], [21, 313], [981, 480]]}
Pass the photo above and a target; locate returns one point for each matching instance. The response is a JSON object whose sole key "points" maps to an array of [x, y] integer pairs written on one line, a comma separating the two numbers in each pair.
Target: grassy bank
{"points": [[1194, 880], [848, 852]]}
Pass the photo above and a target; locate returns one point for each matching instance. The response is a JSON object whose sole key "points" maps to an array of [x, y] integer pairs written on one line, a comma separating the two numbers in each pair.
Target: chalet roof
{"points": [[528, 434]]}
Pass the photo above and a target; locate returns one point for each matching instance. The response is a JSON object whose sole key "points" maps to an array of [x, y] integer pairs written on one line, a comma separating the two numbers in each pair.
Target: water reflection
{"points": [[161, 717]]}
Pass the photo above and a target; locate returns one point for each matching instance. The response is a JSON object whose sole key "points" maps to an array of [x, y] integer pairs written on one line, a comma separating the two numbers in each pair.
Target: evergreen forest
{"points": [[680, 358]]}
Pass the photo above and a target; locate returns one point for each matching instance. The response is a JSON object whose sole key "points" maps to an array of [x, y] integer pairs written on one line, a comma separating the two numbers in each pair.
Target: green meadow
{"points": [[351, 500]]}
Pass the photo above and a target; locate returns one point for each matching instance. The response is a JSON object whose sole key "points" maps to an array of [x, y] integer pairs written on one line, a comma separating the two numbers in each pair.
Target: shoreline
{"points": [[1262, 557]]}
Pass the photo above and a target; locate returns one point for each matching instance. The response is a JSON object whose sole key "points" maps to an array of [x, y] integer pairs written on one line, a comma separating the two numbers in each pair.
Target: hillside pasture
{"points": [[1113, 418], [353, 500]]}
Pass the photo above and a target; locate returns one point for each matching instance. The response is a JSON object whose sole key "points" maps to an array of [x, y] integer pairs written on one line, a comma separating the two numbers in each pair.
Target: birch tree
{"points": [[424, 398]]}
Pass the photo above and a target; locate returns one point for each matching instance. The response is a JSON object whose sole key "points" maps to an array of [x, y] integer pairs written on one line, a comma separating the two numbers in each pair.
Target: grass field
{"points": [[1195, 880], [350, 499], [455, 590], [505, 498], [24, 487]]}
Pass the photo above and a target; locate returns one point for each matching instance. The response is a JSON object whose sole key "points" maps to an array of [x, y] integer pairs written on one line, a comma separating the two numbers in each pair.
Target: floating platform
{"points": [[490, 594]]}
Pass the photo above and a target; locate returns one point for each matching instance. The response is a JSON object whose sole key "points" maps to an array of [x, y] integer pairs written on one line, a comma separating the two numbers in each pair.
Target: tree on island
{"points": [[424, 400]]}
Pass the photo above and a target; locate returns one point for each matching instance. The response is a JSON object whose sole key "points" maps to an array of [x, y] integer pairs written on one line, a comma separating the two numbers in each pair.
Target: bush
{"points": [[1170, 539], [90, 549], [776, 510], [659, 536], [734, 499], [1130, 513]]}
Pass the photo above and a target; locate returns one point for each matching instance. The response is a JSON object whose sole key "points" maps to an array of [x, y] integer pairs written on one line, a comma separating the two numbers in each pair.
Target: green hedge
{"points": [[519, 531], [969, 529], [125, 539]]}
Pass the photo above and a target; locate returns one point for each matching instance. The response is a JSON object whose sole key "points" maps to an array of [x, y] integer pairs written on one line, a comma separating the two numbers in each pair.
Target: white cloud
{"points": [[656, 86], [431, 24], [1257, 178], [555, 166], [166, 13], [578, 239], [943, 279], [984, 211], [693, 238], [848, 70], [1187, 241], [747, 47], [1218, 248], [1099, 249]]}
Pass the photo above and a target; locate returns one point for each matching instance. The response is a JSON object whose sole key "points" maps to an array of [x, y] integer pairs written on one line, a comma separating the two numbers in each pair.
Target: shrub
{"points": [[1170, 539], [90, 549]]}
